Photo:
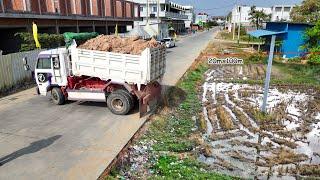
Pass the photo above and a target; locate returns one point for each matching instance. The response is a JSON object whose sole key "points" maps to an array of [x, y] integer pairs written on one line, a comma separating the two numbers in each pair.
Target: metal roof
{"points": [[262, 33]]}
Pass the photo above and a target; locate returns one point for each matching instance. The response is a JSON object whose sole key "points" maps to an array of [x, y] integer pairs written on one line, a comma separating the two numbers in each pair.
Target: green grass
{"points": [[171, 167], [300, 74], [291, 74], [172, 131], [243, 38]]}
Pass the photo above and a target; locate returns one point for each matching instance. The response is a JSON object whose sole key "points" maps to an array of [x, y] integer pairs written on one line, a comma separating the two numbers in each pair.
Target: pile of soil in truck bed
{"points": [[111, 43]]}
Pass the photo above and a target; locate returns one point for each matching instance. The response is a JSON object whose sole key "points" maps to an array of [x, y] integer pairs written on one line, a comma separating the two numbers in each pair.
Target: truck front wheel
{"points": [[57, 96], [118, 103]]}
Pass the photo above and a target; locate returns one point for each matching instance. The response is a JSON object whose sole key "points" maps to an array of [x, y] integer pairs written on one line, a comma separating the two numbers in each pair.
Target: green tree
{"points": [[312, 43], [312, 36], [257, 17], [307, 12]]}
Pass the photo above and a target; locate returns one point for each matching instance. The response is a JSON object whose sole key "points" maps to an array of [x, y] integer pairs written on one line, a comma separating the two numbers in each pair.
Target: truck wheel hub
{"points": [[117, 104]]}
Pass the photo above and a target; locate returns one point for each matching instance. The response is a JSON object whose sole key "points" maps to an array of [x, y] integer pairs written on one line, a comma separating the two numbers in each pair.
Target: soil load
{"points": [[116, 44]]}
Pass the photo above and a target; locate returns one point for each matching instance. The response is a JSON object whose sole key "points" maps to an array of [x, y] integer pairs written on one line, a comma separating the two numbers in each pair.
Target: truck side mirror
{"points": [[25, 64]]}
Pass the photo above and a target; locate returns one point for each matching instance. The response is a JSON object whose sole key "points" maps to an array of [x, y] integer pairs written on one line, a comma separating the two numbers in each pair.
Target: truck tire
{"points": [[119, 103], [129, 95], [57, 96]]}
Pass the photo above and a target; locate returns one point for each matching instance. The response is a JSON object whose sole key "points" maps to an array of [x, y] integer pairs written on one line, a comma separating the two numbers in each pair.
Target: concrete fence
{"points": [[12, 71]]}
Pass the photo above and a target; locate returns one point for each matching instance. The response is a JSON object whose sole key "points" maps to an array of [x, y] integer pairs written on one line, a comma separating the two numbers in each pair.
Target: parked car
{"points": [[169, 42]]}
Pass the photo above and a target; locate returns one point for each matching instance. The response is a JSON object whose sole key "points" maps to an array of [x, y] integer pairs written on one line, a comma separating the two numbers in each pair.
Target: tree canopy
{"points": [[307, 12], [257, 17]]}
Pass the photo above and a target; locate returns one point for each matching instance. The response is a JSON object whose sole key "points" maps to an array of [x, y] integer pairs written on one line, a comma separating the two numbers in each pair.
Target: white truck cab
{"points": [[51, 69]]}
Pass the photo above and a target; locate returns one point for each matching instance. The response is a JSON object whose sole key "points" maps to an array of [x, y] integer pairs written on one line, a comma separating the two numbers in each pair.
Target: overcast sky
{"points": [[222, 7]]}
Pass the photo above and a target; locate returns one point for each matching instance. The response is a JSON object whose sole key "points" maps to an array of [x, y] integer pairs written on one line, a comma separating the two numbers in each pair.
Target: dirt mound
{"points": [[111, 43]]}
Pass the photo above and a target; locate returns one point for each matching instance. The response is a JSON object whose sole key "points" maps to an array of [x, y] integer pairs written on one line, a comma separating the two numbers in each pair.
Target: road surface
{"points": [[78, 140]]}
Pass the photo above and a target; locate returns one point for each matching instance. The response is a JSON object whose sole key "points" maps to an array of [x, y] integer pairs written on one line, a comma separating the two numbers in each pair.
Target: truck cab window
{"points": [[44, 63], [55, 62]]}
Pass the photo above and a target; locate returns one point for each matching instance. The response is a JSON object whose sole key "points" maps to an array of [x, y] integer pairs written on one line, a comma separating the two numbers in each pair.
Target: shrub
{"points": [[256, 57], [314, 57], [295, 60], [46, 41]]}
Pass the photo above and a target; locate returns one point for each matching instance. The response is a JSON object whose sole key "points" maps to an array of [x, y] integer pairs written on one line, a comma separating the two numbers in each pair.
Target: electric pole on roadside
{"points": [[268, 75], [147, 12], [158, 18], [239, 27]]}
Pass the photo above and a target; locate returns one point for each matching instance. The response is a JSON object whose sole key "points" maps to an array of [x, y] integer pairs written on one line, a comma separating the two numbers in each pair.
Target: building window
{"points": [[278, 9], [141, 9], [287, 9], [154, 8], [162, 7], [56, 6]]}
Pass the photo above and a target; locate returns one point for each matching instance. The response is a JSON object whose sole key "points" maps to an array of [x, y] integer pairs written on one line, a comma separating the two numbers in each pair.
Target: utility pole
{"points": [[147, 12], [234, 21], [239, 27], [268, 75], [158, 18]]}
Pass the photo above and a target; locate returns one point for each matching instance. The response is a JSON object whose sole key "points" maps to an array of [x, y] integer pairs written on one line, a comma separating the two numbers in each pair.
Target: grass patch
{"points": [[243, 37], [307, 76], [299, 73], [172, 131], [171, 167]]}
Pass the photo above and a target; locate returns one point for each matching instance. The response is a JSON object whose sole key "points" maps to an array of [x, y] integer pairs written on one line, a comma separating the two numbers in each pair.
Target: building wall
{"points": [[281, 13], [292, 40], [203, 18], [18, 5], [108, 7], [119, 8], [101, 8], [75, 6], [128, 9], [244, 16]]}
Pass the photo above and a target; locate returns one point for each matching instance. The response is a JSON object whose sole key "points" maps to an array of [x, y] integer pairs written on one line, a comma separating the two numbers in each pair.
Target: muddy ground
{"points": [[285, 143]]}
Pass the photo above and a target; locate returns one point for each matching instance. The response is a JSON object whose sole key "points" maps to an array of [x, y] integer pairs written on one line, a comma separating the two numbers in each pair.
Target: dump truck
{"points": [[120, 80]]}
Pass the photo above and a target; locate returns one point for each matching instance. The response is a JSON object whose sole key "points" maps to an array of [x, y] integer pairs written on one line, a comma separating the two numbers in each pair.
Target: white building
{"points": [[278, 13], [281, 12], [189, 11], [241, 14], [221, 20], [202, 18], [160, 14]]}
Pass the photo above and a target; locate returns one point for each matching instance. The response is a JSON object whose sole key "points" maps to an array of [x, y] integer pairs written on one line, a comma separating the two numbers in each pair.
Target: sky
{"points": [[222, 7]]}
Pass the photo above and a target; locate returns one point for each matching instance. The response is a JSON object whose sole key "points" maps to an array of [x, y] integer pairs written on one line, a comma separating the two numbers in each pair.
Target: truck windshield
{"points": [[44, 63]]}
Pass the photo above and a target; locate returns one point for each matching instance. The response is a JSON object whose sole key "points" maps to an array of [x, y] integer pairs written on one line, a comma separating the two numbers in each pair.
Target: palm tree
{"points": [[258, 17]]}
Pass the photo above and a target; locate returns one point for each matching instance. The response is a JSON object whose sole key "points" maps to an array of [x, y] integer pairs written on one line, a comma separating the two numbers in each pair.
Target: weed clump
{"points": [[225, 118]]}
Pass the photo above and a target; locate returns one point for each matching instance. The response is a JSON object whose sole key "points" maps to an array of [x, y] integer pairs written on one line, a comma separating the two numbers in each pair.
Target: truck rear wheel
{"points": [[129, 96], [57, 96], [119, 103]]}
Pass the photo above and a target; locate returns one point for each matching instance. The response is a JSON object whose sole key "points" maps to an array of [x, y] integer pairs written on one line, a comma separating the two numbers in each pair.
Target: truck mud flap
{"points": [[149, 99]]}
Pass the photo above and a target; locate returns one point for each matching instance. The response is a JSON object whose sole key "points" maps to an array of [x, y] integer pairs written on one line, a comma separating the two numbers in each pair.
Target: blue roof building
{"points": [[291, 34]]}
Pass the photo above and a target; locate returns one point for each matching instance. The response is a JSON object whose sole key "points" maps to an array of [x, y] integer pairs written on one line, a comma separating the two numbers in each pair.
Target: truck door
{"points": [[57, 74], [43, 74]]}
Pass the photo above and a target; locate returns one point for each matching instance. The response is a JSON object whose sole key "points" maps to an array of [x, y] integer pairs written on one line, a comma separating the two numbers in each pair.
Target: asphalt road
{"points": [[78, 140]]}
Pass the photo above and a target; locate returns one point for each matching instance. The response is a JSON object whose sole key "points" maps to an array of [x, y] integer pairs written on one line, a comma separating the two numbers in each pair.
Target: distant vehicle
{"points": [[169, 42]]}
